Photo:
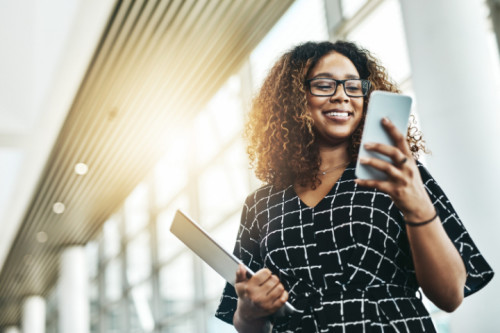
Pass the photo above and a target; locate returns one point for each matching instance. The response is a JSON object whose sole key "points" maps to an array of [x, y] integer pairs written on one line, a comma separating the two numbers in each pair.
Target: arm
{"points": [[258, 297], [439, 268]]}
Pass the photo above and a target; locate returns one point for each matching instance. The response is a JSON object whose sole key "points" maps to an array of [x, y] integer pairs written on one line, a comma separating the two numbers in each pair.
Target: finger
{"points": [[273, 285], [386, 167], [262, 276], [241, 274], [394, 153], [280, 301], [397, 137], [276, 292]]}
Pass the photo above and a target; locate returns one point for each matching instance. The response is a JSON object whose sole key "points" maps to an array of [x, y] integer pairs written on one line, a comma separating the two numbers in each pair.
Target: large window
{"points": [[142, 278]]}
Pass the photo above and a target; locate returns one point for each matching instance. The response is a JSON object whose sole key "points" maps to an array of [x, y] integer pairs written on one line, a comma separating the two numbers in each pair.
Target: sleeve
{"points": [[479, 272], [246, 248]]}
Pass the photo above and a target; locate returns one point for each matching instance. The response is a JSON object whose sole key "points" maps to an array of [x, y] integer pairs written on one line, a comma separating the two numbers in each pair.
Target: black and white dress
{"points": [[346, 262]]}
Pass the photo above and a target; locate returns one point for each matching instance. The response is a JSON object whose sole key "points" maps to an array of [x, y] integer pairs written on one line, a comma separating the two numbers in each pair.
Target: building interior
{"points": [[116, 113]]}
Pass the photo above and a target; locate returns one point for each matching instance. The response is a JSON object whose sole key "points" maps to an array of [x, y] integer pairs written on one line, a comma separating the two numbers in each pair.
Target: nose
{"points": [[340, 94]]}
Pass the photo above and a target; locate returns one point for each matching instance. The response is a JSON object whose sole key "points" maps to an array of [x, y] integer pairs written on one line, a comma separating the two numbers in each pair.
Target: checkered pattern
{"points": [[346, 262]]}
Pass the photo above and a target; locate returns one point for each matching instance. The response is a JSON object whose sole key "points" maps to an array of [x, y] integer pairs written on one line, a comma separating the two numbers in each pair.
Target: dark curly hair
{"points": [[280, 131]]}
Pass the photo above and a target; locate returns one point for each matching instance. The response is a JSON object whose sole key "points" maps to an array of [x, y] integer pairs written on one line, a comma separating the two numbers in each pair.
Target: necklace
{"points": [[334, 168]]}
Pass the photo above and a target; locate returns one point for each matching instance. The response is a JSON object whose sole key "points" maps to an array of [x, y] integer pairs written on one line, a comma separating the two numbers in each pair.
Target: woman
{"points": [[349, 254]]}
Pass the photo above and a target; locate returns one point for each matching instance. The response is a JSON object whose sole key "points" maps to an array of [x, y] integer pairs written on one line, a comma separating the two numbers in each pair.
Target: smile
{"points": [[337, 114]]}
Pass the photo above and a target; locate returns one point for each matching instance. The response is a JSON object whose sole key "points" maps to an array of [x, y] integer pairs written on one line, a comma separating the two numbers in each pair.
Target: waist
{"points": [[371, 292]]}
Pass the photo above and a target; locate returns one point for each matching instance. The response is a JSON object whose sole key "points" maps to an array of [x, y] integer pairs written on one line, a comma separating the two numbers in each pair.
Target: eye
{"points": [[323, 84], [353, 85], [353, 88]]}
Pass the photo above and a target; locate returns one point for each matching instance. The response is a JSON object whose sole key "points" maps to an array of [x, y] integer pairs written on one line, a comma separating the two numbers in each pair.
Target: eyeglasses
{"points": [[328, 87]]}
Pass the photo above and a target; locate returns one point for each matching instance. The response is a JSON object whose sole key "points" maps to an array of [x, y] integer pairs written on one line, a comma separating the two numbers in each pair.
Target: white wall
{"points": [[455, 76]]}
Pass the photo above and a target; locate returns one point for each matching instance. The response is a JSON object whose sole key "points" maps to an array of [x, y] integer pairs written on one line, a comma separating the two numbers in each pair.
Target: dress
{"points": [[346, 262]]}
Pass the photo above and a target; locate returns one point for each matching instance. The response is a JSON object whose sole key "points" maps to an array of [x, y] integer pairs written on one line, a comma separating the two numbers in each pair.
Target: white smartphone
{"points": [[382, 104]]}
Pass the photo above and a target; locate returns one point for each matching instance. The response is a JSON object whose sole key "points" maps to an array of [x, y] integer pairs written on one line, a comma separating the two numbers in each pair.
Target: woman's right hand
{"points": [[258, 297]]}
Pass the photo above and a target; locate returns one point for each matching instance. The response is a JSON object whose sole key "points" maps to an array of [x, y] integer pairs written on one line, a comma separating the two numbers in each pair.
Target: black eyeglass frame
{"points": [[337, 83]]}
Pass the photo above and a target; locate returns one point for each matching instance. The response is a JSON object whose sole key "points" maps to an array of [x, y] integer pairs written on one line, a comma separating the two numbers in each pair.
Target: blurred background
{"points": [[115, 113]]}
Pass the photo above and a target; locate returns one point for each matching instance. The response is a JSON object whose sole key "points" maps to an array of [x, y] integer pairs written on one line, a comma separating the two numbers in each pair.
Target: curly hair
{"points": [[280, 131]]}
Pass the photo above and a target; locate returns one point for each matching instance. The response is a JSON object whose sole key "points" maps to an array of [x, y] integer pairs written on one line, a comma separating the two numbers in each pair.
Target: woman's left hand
{"points": [[404, 183]]}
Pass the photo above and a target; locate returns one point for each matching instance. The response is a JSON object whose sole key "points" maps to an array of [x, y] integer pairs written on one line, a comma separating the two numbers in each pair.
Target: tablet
{"points": [[200, 242], [382, 104]]}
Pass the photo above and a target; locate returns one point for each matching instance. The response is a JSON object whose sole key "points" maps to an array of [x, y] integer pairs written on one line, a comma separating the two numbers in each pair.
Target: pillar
{"points": [[12, 329], [33, 316], [455, 78], [73, 299]]}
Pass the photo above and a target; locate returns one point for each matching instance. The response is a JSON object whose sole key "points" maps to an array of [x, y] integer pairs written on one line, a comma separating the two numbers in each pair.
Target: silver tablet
{"points": [[382, 104], [200, 242]]}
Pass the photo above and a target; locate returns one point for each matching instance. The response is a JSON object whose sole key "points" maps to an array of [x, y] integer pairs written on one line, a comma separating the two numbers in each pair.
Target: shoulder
{"points": [[264, 194], [430, 183]]}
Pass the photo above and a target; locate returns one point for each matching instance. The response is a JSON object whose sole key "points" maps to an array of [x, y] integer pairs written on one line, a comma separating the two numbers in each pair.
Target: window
{"points": [[142, 277]]}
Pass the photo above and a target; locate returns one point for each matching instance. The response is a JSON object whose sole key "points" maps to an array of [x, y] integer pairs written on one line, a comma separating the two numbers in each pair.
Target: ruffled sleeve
{"points": [[479, 272], [246, 248]]}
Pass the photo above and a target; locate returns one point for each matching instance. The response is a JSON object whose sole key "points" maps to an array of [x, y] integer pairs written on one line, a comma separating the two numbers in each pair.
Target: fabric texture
{"points": [[346, 262]]}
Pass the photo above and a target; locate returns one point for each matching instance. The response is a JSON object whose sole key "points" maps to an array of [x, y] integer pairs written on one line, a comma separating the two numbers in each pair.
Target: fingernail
{"points": [[363, 160], [386, 120], [369, 145]]}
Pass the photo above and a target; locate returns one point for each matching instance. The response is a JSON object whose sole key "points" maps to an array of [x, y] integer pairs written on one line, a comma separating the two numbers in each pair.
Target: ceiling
{"points": [[153, 67]]}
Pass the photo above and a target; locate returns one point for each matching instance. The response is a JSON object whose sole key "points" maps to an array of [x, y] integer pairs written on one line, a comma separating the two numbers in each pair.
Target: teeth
{"points": [[337, 114]]}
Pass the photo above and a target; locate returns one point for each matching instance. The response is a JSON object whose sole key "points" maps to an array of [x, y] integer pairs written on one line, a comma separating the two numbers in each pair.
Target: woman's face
{"points": [[335, 117]]}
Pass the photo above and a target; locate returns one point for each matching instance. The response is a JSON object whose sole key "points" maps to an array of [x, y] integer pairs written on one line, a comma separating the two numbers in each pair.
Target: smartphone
{"points": [[382, 104]]}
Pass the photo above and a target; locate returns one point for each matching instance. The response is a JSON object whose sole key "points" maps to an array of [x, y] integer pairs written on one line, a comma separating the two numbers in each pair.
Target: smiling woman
{"points": [[282, 147], [351, 255]]}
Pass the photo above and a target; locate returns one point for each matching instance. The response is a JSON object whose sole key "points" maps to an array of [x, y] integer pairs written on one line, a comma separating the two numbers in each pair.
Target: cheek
{"points": [[315, 102], [359, 105]]}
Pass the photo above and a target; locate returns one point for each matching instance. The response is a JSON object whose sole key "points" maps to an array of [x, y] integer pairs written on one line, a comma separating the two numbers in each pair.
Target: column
{"points": [[12, 329], [73, 300], [33, 317], [455, 77]]}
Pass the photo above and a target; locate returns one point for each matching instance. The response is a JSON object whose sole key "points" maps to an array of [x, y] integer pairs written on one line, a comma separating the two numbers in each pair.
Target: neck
{"points": [[332, 156]]}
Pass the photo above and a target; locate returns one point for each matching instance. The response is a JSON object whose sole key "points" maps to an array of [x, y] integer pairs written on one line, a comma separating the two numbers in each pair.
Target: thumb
{"points": [[241, 274]]}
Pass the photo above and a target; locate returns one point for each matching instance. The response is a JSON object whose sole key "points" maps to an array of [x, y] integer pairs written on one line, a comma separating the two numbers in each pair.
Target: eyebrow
{"points": [[329, 75]]}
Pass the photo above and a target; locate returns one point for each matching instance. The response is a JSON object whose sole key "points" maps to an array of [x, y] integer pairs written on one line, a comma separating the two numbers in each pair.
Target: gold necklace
{"points": [[334, 168]]}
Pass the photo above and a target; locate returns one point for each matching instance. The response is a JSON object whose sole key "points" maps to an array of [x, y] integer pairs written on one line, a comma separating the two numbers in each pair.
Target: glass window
{"points": [[94, 303], [171, 174], [52, 313], [181, 326], [111, 234], [113, 280], [137, 210], [177, 285], [304, 21], [92, 255], [114, 320], [139, 258], [168, 244], [219, 122], [214, 146], [223, 186], [351, 7], [227, 108], [383, 34], [140, 308]]}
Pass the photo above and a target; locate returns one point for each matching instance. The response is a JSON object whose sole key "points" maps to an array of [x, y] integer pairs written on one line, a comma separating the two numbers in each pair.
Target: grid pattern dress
{"points": [[346, 262]]}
